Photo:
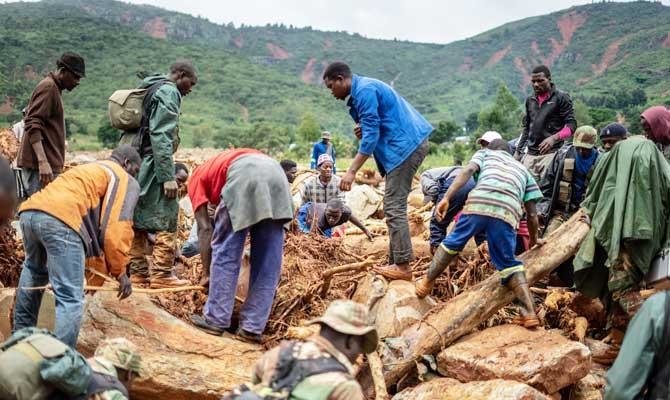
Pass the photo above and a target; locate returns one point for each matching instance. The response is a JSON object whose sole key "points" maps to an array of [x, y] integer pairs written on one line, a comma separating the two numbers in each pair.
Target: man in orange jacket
{"points": [[84, 218]]}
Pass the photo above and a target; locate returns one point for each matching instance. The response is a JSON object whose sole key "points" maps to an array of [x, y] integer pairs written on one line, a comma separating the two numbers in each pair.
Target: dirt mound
{"points": [[9, 144], [11, 257], [497, 56]]}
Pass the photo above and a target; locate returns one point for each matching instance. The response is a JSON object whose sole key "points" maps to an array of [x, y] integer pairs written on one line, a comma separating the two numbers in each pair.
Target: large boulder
{"points": [[179, 361], [451, 389], [399, 308], [592, 386], [543, 359], [46, 317]]}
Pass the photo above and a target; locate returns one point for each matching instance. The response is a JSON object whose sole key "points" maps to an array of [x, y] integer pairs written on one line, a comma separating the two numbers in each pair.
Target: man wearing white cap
{"points": [[487, 138], [323, 187], [323, 147]]}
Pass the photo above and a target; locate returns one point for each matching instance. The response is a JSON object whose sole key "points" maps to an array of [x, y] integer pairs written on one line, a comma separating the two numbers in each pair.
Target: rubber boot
{"points": [[517, 283], [440, 261]]}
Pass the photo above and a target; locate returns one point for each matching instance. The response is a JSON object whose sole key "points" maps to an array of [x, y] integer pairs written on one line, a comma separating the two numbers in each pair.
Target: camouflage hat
{"points": [[121, 352], [585, 137], [350, 318]]}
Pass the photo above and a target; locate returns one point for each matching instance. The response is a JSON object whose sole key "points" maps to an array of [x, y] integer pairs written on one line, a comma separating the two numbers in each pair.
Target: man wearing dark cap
{"points": [[42, 153], [612, 134]]}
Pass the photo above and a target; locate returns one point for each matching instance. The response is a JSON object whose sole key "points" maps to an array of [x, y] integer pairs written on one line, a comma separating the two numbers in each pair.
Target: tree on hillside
{"points": [[270, 138], [107, 135], [471, 123], [445, 132], [309, 129], [503, 116], [582, 113]]}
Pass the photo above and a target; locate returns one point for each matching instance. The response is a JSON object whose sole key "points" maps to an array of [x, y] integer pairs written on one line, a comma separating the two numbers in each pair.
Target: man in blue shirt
{"points": [[392, 131], [323, 147]]}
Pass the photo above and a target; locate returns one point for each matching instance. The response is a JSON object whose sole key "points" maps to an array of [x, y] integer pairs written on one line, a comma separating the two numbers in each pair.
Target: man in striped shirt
{"points": [[495, 206]]}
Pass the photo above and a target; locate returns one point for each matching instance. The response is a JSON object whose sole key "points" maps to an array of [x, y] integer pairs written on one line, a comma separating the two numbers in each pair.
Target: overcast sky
{"points": [[432, 21]]}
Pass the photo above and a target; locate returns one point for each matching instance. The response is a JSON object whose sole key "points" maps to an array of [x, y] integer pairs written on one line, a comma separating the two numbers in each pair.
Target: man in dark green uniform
{"points": [[157, 208]]}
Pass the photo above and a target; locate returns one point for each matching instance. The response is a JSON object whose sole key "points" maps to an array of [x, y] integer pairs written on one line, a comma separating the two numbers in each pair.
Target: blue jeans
{"points": [[31, 181], [54, 254], [267, 244], [501, 238]]}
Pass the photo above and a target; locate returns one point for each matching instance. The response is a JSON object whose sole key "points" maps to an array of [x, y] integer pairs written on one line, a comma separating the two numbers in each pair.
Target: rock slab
{"points": [[399, 308], [451, 389], [179, 361], [542, 359]]}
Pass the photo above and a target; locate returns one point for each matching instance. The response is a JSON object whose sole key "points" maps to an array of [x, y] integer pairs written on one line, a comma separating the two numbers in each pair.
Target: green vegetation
{"points": [[261, 86]]}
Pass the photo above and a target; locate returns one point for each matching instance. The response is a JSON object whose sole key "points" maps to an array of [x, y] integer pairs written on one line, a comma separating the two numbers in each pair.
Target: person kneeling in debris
{"points": [[494, 206], [324, 218], [641, 370], [83, 218], [319, 367], [566, 179], [34, 365], [253, 198]]}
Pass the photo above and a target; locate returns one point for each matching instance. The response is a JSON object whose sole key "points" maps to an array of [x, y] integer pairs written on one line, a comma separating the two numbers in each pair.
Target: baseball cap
{"points": [[613, 130], [325, 135], [585, 137], [489, 136]]}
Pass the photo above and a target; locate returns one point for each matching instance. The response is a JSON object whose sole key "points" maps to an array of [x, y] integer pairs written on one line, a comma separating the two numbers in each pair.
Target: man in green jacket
{"points": [[641, 370], [157, 208]]}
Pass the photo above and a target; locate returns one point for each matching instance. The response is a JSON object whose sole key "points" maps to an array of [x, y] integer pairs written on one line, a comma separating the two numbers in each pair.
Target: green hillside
{"points": [[261, 82]]}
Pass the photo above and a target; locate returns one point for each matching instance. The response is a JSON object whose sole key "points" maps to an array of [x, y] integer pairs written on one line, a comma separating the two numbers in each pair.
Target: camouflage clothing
{"points": [[326, 386], [103, 366]]}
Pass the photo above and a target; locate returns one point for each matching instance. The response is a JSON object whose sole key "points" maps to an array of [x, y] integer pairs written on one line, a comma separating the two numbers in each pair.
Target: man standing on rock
{"points": [[321, 148], [493, 207], [550, 119], [253, 198], [157, 209], [320, 367], [84, 217], [42, 153], [397, 135]]}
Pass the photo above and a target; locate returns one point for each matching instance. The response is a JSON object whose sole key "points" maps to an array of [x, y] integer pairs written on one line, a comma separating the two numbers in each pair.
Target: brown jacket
{"points": [[44, 122]]}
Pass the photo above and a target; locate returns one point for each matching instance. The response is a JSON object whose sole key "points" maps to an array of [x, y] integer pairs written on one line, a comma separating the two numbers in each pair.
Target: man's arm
{"points": [[205, 231], [567, 113], [163, 122], [370, 123], [39, 110], [461, 179], [360, 226]]}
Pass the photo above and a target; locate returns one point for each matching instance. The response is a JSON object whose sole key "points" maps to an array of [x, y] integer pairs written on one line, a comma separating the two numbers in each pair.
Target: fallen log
{"points": [[459, 316], [179, 361]]}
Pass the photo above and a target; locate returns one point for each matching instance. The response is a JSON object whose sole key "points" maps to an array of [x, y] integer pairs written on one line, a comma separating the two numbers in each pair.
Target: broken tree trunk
{"points": [[179, 361], [459, 316]]}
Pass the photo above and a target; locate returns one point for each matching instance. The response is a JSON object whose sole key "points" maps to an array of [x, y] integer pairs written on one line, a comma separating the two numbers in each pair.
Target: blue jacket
{"points": [[321, 148], [392, 128]]}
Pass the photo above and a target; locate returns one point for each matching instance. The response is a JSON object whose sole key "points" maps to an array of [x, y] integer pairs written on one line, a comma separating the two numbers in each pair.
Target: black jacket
{"points": [[542, 122]]}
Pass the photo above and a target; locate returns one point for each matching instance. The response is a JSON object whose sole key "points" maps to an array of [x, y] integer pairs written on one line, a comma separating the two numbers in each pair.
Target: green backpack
{"points": [[125, 108], [34, 364]]}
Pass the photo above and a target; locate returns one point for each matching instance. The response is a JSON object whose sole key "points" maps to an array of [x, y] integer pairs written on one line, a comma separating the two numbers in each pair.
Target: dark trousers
{"points": [[398, 186], [267, 244]]}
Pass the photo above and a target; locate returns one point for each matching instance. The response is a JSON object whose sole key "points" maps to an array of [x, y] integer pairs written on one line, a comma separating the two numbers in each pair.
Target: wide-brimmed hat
{"points": [[74, 63], [585, 137], [350, 318], [489, 136]]}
